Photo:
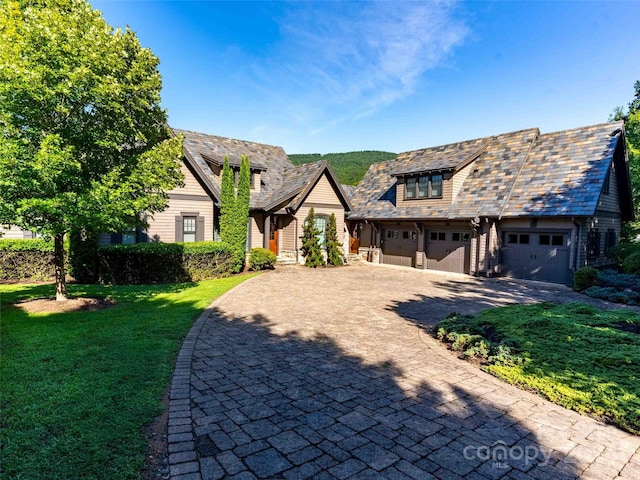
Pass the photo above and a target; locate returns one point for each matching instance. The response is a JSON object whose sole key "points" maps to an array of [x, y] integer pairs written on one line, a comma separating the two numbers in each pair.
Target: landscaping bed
{"points": [[575, 355]]}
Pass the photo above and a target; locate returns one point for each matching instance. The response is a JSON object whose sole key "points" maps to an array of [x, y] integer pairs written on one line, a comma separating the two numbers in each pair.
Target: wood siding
{"points": [[458, 180], [610, 202], [288, 234], [190, 199], [162, 226], [14, 233], [323, 193], [601, 223], [256, 225]]}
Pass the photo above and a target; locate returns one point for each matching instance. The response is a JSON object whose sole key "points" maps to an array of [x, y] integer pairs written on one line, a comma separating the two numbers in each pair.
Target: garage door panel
{"points": [[446, 254], [399, 246], [532, 255]]}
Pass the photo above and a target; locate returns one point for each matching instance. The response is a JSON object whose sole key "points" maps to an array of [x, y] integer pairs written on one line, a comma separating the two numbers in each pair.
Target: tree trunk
{"points": [[61, 281]]}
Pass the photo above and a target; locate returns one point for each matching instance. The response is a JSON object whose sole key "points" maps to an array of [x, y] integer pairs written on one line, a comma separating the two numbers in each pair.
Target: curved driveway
{"points": [[328, 373]]}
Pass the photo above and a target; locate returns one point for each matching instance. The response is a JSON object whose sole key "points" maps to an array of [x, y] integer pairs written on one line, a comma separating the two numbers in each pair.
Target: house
{"points": [[281, 196], [521, 204]]}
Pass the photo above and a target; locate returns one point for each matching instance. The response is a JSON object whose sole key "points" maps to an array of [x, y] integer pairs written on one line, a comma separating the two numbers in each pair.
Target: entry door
{"points": [[273, 235]]}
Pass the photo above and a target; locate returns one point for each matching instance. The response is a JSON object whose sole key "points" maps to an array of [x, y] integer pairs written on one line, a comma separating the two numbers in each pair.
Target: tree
{"points": [[310, 242], [631, 118], [234, 209], [242, 207], [84, 140], [334, 254], [227, 202]]}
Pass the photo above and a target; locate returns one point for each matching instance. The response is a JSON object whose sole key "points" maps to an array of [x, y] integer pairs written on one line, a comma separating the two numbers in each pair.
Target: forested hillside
{"points": [[349, 167]]}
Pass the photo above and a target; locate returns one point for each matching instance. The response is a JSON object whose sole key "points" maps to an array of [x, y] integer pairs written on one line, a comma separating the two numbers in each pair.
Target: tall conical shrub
{"points": [[310, 243], [334, 253]]}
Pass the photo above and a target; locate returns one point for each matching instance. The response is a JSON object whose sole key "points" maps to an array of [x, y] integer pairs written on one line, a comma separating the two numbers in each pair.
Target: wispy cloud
{"points": [[340, 61]]}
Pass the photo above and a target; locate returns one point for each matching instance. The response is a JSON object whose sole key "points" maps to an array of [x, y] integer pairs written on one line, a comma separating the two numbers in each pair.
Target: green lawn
{"points": [[77, 389], [574, 355]]}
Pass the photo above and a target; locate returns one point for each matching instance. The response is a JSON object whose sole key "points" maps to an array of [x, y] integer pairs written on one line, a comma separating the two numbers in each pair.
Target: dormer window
{"points": [[424, 186]]}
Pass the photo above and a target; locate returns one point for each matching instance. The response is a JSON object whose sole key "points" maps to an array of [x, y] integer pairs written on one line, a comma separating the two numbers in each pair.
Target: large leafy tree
{"points": [[83, 139], [631, 117]]}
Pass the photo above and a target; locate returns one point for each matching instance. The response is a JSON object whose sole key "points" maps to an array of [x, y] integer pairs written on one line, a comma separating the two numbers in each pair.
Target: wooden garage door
{"points": [[542, 256], [448, 250], [399, 246]]}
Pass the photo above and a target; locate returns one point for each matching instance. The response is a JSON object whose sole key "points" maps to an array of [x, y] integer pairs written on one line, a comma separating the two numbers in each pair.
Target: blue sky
{"points": [[338, 76]]}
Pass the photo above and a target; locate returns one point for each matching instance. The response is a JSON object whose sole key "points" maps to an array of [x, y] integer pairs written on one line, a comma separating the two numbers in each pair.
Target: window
{"points": [[189, 229], [392, 233], [438, 236], [593, 243], [321, 227], [460, 237], [426, 186], [411, 187], [518, 238], [548, 239], [609, 240], [436, 186], [423, 187], [409, 235], [129, 237]]}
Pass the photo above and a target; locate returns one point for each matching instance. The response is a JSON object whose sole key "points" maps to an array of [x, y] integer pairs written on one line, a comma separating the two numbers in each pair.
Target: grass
{"points": [[77, 389], [574, 355]]}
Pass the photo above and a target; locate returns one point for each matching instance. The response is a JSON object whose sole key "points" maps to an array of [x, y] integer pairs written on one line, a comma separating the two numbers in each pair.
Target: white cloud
{"points": [[340, 61]]}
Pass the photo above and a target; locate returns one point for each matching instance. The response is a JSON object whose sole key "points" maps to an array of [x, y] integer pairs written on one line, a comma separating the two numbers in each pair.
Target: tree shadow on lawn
{"points": [[78, 388], [293, 404]]}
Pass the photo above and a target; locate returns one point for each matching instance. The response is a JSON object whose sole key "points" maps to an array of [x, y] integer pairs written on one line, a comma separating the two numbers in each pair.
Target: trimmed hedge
{"points": [[631, 264], [142, 263], [584, 278], [261, 259], [26, 260]]}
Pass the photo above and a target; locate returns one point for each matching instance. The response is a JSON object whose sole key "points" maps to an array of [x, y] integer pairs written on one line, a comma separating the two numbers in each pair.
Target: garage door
{"points": [[399, 246], [542, 256], [448, 250]]}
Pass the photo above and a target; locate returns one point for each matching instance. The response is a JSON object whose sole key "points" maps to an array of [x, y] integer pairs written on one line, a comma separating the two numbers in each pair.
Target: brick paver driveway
{"points": [[328, 373]]}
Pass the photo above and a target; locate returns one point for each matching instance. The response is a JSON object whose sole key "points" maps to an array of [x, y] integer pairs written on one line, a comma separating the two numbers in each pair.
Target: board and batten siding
{"points": [[610, 202]]}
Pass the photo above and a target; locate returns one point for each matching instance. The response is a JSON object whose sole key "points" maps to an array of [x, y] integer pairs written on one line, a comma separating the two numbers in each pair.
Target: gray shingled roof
{"points": [[520, 173], [564, 172], [283, 183]]}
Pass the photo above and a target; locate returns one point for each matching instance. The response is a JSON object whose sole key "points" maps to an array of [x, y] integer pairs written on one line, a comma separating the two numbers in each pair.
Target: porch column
{"points": [[266, 231]]}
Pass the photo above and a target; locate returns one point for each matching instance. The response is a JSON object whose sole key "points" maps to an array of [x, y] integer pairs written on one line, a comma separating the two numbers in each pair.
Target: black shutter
{"points": [[179, 230], [200, 230], [116, 238], [141, 236]]}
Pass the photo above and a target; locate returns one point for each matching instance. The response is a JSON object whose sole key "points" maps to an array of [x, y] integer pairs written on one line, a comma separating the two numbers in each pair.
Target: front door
{"points": [[273, 235]]}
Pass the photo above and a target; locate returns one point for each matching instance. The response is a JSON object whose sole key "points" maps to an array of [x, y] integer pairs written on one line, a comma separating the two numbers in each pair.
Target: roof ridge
{"points": [[602, 124]]}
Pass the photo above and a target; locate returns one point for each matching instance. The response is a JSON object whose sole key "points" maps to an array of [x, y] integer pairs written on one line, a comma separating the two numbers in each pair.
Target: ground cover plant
{"points": [[575, 355], [78, 388]]}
